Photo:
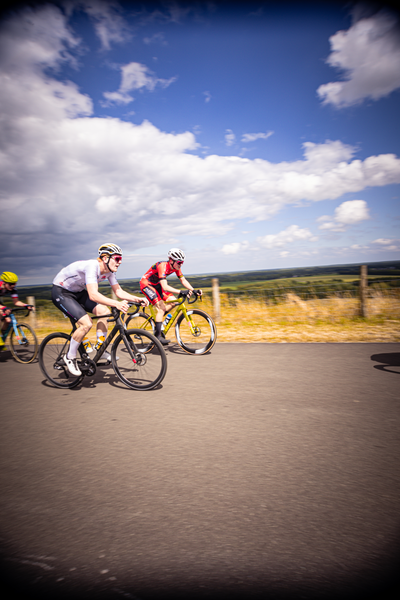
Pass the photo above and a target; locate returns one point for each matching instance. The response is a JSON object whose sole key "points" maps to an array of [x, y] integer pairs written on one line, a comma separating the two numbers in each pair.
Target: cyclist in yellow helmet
{"points": [[8, 281]]}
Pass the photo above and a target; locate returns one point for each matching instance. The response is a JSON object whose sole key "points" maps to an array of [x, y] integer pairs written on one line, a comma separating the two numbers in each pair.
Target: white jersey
{"points": [[77, 275]]}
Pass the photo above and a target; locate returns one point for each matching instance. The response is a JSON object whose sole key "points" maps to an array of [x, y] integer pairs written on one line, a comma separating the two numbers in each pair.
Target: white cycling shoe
{"points": [[72, 366], [107, 356]]}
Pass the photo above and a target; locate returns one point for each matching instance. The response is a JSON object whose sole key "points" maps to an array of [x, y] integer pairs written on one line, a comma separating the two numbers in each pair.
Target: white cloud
{"points": [[383, 242], [109, 25], [346, 214], [387, 245], [252, 137], [70, 180], [207, 96], [156, 38], [135, 76], [289, 235], [369, 55], [106, 204], [235, 247], [229, 137]]}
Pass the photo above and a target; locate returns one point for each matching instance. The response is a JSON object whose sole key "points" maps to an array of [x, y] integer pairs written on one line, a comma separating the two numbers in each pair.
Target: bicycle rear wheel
{"points": [[199, 338], [51, 360], [138, 367], [24, 349], [142, 321]]}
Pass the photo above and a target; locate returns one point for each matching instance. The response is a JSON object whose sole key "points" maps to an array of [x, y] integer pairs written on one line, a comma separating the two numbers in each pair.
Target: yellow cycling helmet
{"points": [[9, 277]]}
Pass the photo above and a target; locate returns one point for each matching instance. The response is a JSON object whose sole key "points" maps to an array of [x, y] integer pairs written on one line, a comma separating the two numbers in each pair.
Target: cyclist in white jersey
{"points": [[75, 292]]}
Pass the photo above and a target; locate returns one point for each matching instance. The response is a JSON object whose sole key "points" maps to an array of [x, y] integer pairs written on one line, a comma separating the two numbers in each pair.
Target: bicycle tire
{"points": [[51, 352], [205, 336], [25, 352], [142, 321], [151, 366]]}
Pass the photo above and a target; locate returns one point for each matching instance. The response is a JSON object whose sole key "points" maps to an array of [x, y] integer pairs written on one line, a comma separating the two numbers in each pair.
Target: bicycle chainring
{"points": [[87, 366]]}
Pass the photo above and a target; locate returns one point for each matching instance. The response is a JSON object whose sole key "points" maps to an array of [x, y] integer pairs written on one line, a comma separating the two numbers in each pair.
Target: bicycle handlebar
{"points": [[116, 312], [19, 308], [184, 294]]}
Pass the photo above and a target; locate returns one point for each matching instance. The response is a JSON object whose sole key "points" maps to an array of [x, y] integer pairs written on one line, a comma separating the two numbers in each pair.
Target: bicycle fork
{"points": [[189, 319]]}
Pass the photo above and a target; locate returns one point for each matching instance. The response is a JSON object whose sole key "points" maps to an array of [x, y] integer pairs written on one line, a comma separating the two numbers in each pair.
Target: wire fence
{"points": [[279, 293]]}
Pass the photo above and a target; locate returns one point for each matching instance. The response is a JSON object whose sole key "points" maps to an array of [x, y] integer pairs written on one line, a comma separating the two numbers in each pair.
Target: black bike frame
{"points": [[118, 327]]}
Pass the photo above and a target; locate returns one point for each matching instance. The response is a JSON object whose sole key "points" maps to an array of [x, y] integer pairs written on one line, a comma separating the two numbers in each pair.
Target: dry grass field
{"points": [[332, 319]]}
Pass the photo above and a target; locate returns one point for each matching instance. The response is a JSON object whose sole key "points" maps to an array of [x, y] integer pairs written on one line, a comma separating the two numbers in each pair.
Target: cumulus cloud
{"points": [[229, 137], [383, 242], [207, 96], [289, 235], [235, 247], [369, 55], [109, 24], [71, 180], [156, 38], [346, 214], [135, 76], [252, 137]]}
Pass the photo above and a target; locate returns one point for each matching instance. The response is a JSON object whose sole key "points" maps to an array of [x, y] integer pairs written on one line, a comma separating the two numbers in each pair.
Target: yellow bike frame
{"points": [[177, 309]]}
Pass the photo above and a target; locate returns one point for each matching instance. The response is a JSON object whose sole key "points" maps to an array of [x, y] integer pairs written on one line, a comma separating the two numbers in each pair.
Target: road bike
{"points": [[23, 340], [195, 331], [134, 365]]}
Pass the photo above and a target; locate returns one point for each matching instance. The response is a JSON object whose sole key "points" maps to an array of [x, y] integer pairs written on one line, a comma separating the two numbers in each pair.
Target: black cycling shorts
{"points": [[74, 305]]}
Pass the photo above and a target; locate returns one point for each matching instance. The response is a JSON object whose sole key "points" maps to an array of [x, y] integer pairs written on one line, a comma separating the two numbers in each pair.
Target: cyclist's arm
{"points": [[18, 302], [188, 286], [120, 293], [95, 296], [168, 288]]}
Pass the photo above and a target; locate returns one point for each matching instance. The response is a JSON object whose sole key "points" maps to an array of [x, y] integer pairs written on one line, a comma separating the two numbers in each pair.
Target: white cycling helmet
{"points": [[109, 249], [176, 254]]}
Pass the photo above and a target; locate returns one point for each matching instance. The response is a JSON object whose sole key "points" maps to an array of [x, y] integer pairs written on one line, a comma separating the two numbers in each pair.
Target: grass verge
{"points": [[332, 319]]}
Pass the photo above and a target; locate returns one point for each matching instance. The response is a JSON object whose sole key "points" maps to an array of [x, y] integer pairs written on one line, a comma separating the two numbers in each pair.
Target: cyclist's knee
{"points": [[85, 324], [160, 306], [101, 310]]}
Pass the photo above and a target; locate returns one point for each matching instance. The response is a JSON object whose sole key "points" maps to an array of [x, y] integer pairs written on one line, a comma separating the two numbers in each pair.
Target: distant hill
{"points": [[375, 269]]}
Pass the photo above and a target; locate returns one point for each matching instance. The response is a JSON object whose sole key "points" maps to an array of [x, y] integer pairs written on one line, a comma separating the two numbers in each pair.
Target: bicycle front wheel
{"points": [[51, 360], [196, 335], [24, 348], [136, 366]]}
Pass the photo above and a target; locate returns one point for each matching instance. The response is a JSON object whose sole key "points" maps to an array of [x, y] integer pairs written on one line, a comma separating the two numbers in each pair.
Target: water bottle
{"points": [[88, 346], [166, 321]]}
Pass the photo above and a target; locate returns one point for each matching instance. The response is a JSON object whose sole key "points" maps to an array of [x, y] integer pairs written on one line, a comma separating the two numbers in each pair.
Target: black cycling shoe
{"points": [[162, 340]]}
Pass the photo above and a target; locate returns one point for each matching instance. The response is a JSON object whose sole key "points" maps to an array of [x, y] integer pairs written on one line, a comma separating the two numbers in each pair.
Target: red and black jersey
{"points": [[158, 271]]}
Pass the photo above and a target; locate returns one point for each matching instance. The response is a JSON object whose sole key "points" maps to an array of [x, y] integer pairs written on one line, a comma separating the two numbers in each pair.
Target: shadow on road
{"points": [[104, 374], [174, 348], [391, 359]]}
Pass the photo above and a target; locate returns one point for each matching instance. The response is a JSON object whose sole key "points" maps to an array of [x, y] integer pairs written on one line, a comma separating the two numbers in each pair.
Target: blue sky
{"points": [[252, 135]]}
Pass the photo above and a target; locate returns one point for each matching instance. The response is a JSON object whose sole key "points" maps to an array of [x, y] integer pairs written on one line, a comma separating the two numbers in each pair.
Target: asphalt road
{"points": [[258, 471]]}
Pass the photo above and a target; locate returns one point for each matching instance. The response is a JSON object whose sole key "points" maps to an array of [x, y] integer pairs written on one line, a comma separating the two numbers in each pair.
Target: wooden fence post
{"points": [[216, 299], [32, 314], [363, 290]]}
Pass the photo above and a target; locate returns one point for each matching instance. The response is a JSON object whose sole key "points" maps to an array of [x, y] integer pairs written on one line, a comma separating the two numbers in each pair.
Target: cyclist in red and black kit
{"points": [[155, 287]]}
